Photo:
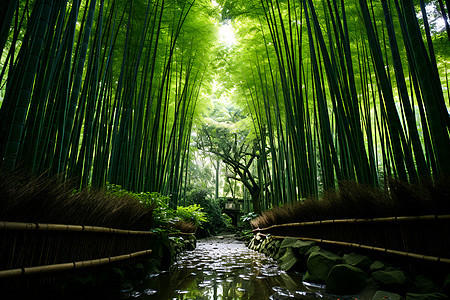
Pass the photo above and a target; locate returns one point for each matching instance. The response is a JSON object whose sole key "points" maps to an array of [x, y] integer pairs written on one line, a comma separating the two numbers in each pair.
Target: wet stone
{"points": [[149, 292]]}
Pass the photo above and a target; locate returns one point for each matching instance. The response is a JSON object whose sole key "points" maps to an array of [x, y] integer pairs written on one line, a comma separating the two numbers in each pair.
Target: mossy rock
{"points": [[304, 247], [273, 251], [269, 248], [288, 260], [277, 244], [359, 261], [312, 250], [430, 296], [391, 279], [279, 253], [256, 245], [310, 278], [377, 266], [257, 248], [265, 243], [288, 242], [320, 263], [383, 295], [251, 245], [274, 248], [345, 279], [271, 244], [424, 285]]}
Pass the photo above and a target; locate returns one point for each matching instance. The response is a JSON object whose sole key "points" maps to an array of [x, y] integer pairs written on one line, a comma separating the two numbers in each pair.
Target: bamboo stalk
{"points": [[69, 266], [374, 220], [355, 245], [19, 226]]}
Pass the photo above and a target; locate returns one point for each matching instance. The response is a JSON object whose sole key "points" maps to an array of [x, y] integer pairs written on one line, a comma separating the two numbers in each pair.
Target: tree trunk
{"points": [[217, 178], [255, 192]]}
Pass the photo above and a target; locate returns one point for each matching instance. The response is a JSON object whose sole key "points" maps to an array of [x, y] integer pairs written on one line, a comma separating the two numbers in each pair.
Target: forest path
{"points": [[224, 268]]}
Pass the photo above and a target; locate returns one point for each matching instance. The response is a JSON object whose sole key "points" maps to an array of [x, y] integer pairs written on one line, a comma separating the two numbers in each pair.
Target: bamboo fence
{"points": [[420, 237], [35, 254], [24, 245], [43, 249]]}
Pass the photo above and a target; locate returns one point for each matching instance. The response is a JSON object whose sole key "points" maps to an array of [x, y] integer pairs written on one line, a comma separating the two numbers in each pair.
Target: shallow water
{"points": [[224, 268]]}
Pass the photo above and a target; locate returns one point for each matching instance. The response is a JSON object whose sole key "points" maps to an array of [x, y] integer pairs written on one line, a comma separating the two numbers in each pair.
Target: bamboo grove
{"points": [[108, 91], [345, 90], [102, 91]]}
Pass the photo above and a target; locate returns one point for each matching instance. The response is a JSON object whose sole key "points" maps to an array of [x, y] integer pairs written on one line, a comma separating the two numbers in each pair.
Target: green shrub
{"points": [[163, 215], [248, 217], [192, 213], [210, 207]]}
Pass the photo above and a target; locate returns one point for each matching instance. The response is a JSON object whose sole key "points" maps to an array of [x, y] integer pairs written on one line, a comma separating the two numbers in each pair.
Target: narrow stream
{"points": [[224, 268]]}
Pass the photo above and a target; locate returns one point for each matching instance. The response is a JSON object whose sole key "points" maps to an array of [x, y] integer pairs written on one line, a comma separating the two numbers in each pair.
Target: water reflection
{"points": [[225, 269]]}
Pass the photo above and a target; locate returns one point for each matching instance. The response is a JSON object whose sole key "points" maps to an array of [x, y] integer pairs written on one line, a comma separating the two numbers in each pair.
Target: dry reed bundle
{"points": [[185, 227], [48, 200], [354, 200]]}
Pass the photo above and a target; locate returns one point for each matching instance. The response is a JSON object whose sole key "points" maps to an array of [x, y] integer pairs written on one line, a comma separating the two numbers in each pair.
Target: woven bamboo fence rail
{"points": [[67, 228], [419, 237], [69, 266]]}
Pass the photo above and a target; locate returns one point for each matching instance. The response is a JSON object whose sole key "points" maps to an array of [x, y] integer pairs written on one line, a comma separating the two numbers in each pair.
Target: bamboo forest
{"points": [[225, 149]]}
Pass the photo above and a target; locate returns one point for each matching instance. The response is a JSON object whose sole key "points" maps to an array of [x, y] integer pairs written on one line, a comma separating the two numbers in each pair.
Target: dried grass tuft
{"points": [[185, 227], [48, 200], [354, 200]]}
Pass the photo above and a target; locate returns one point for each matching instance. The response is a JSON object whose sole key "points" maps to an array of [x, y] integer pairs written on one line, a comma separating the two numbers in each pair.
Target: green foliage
{"points": [[162, 213], [149, 199], [248, 217], [192, 213], [159, 203], [210, 207], [161, 210]]}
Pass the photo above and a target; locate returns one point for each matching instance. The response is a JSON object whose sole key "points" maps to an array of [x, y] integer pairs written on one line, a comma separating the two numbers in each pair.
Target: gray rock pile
{"points": [[349, 274]]}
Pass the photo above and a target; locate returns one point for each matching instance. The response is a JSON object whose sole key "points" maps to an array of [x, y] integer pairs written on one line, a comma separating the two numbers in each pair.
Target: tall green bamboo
{"points": [[438, 118], [112, 99], [25, 88]]}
